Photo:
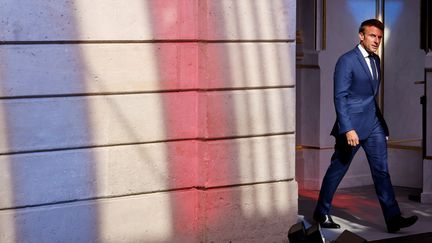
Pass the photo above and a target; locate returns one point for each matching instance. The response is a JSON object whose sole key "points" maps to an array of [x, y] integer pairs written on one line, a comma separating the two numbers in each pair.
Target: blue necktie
{"points": [[373, 66]]}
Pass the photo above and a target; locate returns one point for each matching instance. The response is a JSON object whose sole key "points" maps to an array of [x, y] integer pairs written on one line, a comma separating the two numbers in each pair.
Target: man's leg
{"points": [[376, 151], [375, 147], [339, 165]]}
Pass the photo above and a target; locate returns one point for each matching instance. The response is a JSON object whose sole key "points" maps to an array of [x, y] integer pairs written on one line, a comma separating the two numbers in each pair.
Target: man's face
{"points": [[371, 38]]}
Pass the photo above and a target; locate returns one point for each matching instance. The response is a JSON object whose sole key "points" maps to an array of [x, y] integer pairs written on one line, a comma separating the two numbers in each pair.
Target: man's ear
{"points": [[361, 36]]}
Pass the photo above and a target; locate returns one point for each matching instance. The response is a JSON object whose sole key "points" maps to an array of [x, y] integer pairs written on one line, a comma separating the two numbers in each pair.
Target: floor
{"points": [[358, 210]]}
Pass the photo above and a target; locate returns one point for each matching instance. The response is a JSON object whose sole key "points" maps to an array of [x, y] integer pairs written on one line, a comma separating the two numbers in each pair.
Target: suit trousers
{"points": [[375, 147]]}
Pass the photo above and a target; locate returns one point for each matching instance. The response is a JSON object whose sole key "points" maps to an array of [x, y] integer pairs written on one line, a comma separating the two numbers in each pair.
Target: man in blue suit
{"points": [[360, 123]]}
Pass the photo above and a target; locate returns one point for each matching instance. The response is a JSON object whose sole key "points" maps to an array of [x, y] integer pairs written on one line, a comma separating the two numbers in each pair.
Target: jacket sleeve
{"points": [[342, 84]]}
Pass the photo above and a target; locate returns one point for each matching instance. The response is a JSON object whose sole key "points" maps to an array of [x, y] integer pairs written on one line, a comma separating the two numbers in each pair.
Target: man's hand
{"points": [[352, 138]]}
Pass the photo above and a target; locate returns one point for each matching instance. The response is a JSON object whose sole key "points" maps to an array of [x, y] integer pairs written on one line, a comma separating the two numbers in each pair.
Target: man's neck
{"points": [[364, 51]]}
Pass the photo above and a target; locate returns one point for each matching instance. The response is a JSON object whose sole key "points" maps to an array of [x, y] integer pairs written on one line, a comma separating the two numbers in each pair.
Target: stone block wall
{"points": [[147, 121]]}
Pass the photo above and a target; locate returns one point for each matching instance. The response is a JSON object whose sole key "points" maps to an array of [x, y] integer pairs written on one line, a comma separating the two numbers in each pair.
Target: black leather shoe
{"points": [[325, 221], [399, 222]]}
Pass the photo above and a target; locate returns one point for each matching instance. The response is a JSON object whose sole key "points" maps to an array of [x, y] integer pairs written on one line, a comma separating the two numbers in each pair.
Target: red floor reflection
{"points": [[358, 205]]}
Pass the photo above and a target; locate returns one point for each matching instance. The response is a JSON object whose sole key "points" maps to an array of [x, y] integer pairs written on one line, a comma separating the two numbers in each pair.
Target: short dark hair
{"points": [[371, 22]]}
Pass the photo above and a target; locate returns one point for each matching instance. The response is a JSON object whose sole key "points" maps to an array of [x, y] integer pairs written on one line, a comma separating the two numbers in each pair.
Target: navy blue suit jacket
{"points": [[354, 95]]}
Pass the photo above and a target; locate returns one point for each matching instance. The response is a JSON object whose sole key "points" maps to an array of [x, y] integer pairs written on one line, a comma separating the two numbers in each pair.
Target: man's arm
{"points": [[342, 83]]}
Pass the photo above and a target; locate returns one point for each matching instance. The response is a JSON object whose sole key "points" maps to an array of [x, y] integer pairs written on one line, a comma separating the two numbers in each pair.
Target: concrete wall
{"points": [[401, 97], [147, 121]]}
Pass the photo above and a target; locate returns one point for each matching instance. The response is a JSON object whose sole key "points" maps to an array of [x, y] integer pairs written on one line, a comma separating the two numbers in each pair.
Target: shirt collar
{"points": [[363, 51]]}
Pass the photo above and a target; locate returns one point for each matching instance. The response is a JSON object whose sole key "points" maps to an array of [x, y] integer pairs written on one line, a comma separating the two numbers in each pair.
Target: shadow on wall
{"points": [[247, 89], [39, 125], [207, 125]]}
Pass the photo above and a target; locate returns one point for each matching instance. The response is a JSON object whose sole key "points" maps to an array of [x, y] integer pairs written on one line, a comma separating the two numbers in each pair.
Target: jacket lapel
{"points": [[365, 67]]}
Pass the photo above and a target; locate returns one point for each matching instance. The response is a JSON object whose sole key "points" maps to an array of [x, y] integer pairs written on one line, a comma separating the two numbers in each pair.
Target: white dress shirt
{"points": [[367, 59]]}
